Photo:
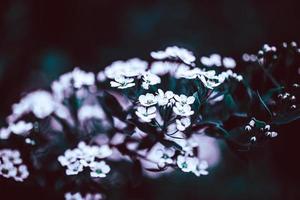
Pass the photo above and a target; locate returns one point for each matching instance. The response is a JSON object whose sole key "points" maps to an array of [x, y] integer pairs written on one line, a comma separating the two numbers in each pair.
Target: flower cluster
{"points": [[86, 156], [157, 116], [11, 165], [79, 196], [217, 61], [259, 130]]}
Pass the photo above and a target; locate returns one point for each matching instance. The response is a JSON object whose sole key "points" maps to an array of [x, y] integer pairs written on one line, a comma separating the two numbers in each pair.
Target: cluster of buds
{"points": [[259, 130]]}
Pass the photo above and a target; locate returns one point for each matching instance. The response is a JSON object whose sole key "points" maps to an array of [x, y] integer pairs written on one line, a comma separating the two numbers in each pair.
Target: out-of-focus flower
{"points": [[90, 111], [11, 165], [146, 114], [130, 68], [21, 127], [165, 156], [175, 53], [4, 133], [201, 168], [63, 87], [40, 103], [122, 82], [78, 196], [150, 79], [229, 62], [212, 60], [99, 169], [147, 100]]}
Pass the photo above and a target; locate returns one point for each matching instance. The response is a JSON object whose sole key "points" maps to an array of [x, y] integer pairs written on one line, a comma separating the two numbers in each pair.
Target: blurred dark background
{"points": [[39, 40]]}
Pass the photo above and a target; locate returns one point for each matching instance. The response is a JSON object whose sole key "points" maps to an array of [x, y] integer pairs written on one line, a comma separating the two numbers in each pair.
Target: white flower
{"points": [[212, 60], [4, 133], [99, 169], [74, 168], [146, 114], [183, 123], [248, 128], [186, 163], [130, 68], [76, 196], [184, 100], [164, 98], [150, 79], [183, 110], [187, 73], [201, 168], [21, 127], [175, 53], [147, 100], [40, 103], [165, 156], [12, 156], [121, 82], [211, 83], [90, 111], [81, 78], [253, 139], [11, 165], [229, 62]]}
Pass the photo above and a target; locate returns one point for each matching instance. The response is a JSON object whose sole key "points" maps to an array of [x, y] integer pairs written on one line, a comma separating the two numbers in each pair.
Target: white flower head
{"points": [[11, 165], [130, 68], [164, 98], [165, 156], [175, 53], [150, 79], [146, 114], [187, 163], [122, 82], [212, 60], [87, 112], [99, 169], [183, 110], [148, 100], [229, 62], [201, 168], [183, 123], [184, 100], [21, 127], [5, 133]]}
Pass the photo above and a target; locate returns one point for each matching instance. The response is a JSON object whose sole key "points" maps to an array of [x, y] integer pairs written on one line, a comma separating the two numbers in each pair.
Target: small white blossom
{"points": [[149, 79], [164, 98], [40, 103], [165, 156], [130, 68], [146, 114], [253, 139], [78, 196], [183, 123], [248, 128], [175, 53], [147, 100], [229, 62], [212, 60], [77, 159], [4, 133], [21, 127], [11, 165], [187, 163], [90, 111], [99, 169], [183, 110], [122, 82], [184, 100], [201, 168]]}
